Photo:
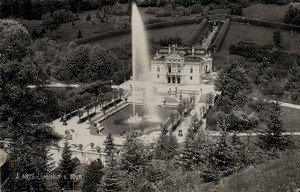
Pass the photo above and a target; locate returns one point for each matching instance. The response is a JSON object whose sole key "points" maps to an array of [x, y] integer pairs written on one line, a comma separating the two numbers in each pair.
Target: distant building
{"points": [[181, 65]]}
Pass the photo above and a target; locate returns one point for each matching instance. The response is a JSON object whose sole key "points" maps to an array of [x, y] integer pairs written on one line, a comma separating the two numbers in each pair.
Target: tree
{"points": [[67, 169], [28, 163], [166, 145], [272, 138], [277, 37], [292, 16], [37, 10], [111, 177], [222, 161], [103, 63], [93, 176], [26, 9], [195, 150], [77, 62], [234, 82], [109, 147], [24, 110], [134, 156], [15, 40]]}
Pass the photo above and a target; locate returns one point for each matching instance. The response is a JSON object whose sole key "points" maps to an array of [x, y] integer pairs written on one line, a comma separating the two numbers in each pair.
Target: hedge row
{"points": [[81, 120], [72, 114], [221, 35], [112, 104], [269, 24], [176, 124], [197, 32], [69, 115], [109, 34], [173, 23]]}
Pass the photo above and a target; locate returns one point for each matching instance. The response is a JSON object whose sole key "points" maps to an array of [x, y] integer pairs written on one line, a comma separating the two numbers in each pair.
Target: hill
{"points": [[282, 174]]}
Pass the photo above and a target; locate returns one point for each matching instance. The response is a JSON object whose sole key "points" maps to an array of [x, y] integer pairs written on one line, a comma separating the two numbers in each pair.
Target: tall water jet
{"points": [[140, 63]]}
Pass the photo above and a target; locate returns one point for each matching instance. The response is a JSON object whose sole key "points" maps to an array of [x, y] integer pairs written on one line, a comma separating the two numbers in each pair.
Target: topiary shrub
{"points": [[79, 34], [88, 18]]}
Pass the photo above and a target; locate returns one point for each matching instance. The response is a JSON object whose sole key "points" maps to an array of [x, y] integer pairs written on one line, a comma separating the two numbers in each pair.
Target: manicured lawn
{"points": [[237, 33], [248, 33], [259, 35], [182, 31], [67, 32], [271, 12], [291, 119]]}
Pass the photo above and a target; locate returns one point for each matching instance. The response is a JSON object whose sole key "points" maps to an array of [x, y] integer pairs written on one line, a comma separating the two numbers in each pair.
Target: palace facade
{"points": [[181, 65]]}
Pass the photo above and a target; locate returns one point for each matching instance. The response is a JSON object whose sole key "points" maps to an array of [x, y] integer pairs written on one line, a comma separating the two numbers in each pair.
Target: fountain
{"points": [[141, 67]]}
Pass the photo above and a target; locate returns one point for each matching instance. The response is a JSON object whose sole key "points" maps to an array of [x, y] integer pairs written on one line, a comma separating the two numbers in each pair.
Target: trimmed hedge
{"points": [[72, 114], [154, 20], [221, 35], [109, 34], [269, 24], [87, 117], [112, 104], [197, 32]]}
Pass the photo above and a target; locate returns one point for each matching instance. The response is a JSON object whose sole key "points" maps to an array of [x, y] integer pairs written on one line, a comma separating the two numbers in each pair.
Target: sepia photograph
{"points": [[149, 95]]}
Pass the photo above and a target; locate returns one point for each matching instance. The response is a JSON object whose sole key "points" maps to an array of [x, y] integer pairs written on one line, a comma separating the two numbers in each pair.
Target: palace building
{"points": [[181, 65]]}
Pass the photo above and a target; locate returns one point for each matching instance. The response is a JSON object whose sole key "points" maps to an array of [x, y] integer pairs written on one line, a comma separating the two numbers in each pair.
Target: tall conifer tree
{"points": [[92, 176], [67, 169]]}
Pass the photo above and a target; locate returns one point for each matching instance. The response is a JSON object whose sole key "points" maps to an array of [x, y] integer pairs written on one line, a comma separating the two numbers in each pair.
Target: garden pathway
{"points": [[217, 133], [284, 104]]}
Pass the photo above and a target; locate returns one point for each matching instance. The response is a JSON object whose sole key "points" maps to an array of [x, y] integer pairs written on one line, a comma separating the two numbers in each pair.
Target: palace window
{"points": [[191, 69], [191, 78], [158, 68], [157, 76]]}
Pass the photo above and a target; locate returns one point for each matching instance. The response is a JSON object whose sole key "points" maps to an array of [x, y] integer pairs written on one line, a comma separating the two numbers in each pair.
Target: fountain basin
{"points": [[118, 123]]}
